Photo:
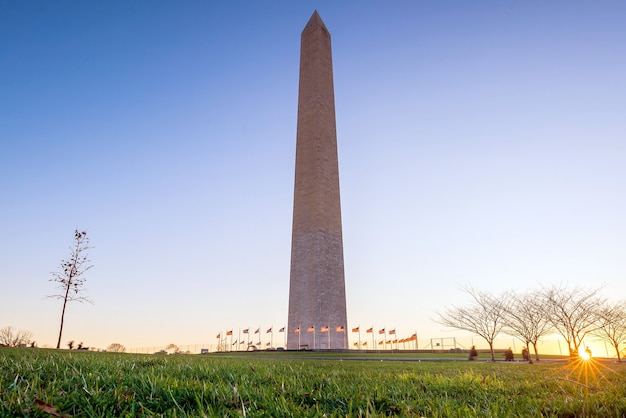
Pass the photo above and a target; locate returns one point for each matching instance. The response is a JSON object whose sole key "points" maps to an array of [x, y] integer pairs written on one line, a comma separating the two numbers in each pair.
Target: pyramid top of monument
{"points": [[316, 21]]}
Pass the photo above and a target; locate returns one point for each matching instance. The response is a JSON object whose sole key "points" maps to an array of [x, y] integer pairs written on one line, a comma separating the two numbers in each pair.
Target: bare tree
{"points": [[116, 348], [612, 325], [70, 278], [573, 313], [173, 348], [14, 338], [525, 318], [484, 317]]}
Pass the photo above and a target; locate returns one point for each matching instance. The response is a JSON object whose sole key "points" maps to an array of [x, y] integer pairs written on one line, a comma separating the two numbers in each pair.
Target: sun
{"points": [[584, 353]]}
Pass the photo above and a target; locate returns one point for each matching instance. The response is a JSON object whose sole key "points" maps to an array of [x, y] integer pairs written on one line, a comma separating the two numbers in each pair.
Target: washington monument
{"points": [[317, 295]]}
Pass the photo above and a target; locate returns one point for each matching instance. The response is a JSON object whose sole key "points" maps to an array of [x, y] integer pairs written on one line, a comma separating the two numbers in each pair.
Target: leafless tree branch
{"points": [[484, 317], [13, 337]]}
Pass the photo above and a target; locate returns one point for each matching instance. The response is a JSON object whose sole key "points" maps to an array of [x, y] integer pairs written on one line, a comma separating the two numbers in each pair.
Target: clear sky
{"points": [[480, 143]]}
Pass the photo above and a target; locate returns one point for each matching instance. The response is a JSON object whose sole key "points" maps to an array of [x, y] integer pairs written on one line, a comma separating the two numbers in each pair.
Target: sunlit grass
{"points": [[587, 370], [40, 383]]}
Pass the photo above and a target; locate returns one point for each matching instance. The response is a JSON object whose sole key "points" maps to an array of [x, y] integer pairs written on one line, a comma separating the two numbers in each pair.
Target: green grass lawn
{"points": [[45, 383]]}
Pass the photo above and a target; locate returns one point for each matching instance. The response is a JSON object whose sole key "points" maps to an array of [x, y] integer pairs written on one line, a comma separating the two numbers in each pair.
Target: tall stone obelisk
{"points": [[317, 296]]}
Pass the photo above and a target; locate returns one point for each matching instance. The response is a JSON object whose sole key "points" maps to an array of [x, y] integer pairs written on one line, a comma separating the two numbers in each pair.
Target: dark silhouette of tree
{"points": [[484, 317], [14, 338], [525, 318], [116, 348], [70, 344], [173, 348], [573, 313], [70, 278], [612, 325]]}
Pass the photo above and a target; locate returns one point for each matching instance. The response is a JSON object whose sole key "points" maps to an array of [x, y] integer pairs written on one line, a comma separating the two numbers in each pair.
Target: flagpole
{"points": [[299, 331], [328, 337], [314, 326], [359, 328], [373, 339]]}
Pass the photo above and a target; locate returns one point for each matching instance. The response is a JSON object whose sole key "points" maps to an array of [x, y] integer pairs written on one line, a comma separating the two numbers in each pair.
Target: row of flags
{"points": [[327, 329], [247, 331], [322, 329], [371, 330], [403, 340], [250, 343], [384, 342]]}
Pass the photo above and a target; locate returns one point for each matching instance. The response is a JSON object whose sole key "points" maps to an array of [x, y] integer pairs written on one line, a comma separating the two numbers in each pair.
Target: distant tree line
{"points": [[574, 314], [10, 337]]}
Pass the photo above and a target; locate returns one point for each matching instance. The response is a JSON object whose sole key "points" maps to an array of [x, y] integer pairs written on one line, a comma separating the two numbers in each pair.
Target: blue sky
{"points": [[480, 143]]}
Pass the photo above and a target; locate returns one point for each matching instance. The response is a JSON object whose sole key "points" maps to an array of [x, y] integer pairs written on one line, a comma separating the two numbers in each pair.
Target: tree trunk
{"points": [[67, 290]]}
